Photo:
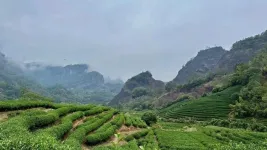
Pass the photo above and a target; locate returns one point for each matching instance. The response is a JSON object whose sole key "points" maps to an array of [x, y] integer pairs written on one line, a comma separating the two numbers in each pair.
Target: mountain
{"points": [[242, 52], [140, 85], [87, 85], [12, 80], [70, 76], [71, 83], [205, 61], [217, 59], [244, 96]]}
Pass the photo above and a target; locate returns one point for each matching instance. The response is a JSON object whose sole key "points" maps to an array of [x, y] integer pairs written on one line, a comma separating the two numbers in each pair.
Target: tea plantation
{"points": [[213, 106]]}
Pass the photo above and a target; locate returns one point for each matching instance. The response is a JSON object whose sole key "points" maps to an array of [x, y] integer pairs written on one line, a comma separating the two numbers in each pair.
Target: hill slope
{"points": [[204, 62], [63, 84], [245, 96], [213, 106], [242, 52], [142, 83], [70, 76]]}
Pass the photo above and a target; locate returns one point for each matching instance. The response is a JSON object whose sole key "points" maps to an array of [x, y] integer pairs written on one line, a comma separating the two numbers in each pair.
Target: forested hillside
{"points": [[72, 83], [140, 87], [242, 98], [242, 52], [205, 61]]}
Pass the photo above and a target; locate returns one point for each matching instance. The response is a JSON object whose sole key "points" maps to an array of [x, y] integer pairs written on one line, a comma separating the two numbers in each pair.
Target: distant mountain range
{"points": [[71, 83], [78, 83], [193, 75]]}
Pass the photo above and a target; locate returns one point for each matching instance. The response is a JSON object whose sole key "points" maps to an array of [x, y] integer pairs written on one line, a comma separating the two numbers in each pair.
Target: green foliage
{"points": [[131, 120], [137, 135], [201, 65], [172, 136], [16, 131], [238, 124], [138, 88], [106, 131], [139, 91], [77, 137], [235, 96], [29, 95], [212, 106], [194, 83], [177, 140], [149, 118], [252, 96], [149, 141], [170, 86]]}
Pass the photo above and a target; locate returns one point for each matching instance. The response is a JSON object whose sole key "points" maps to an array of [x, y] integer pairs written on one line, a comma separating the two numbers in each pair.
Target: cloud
{"points": [[121, 38]]}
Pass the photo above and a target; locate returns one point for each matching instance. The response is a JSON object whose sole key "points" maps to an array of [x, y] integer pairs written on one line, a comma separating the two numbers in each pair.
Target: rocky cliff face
{"points": [[203, 63]]}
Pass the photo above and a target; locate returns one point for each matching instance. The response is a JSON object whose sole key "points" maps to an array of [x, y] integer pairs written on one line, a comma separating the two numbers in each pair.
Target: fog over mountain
{"points": [[122, 38]]}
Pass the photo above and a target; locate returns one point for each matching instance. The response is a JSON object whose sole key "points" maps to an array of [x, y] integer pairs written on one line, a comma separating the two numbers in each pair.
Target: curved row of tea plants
{"points": [[134, 121], [19, 131], [205, 108], [105, 131], [76, 138]]}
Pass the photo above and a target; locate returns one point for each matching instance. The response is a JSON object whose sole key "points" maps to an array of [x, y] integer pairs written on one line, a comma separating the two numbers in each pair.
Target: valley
{"points": [[217, 100]]}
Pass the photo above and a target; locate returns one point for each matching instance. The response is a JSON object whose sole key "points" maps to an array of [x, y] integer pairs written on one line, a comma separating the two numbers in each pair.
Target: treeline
{"points": [[252, 99], [172, 86], [237, 123]]}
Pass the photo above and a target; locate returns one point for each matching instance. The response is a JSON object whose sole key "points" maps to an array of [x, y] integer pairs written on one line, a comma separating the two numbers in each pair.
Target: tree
{"points": [[149, 118], [139, 91], [170, 86]]}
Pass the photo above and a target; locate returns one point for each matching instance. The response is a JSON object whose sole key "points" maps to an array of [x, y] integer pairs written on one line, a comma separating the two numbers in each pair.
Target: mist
{"points": [[122, 38]]}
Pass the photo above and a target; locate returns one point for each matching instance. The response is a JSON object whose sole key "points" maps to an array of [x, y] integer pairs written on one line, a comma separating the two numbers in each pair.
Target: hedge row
{"points": [[22, 104], [65, 126], [136, 135], [134, 121], [149, 142], [27, 104], [104, 117], [132, 145], [105, 131], [32, 120], [76, 138], [128, 121], [95, 110]]}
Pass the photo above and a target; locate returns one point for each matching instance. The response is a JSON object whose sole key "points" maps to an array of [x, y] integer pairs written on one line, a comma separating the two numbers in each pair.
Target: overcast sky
{"points": [[121, 38]]}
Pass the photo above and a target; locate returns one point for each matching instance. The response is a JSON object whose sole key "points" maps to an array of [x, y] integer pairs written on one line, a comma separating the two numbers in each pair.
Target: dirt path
{"points": [[123, 131], [85, 147], [75, 124], [3, 116]]}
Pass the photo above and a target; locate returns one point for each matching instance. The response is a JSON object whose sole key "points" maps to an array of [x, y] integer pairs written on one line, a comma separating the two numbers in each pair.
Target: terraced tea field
{"points": [[213, 106], [210, 137], [45, 126], [31, 125]]}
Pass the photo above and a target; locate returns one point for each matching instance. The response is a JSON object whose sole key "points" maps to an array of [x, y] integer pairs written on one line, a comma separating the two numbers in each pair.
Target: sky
{"points": [[121, 38]]}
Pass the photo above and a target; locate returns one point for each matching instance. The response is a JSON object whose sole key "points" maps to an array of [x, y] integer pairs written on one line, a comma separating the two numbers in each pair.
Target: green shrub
{"points": [[149, 118], [137, 135]]}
